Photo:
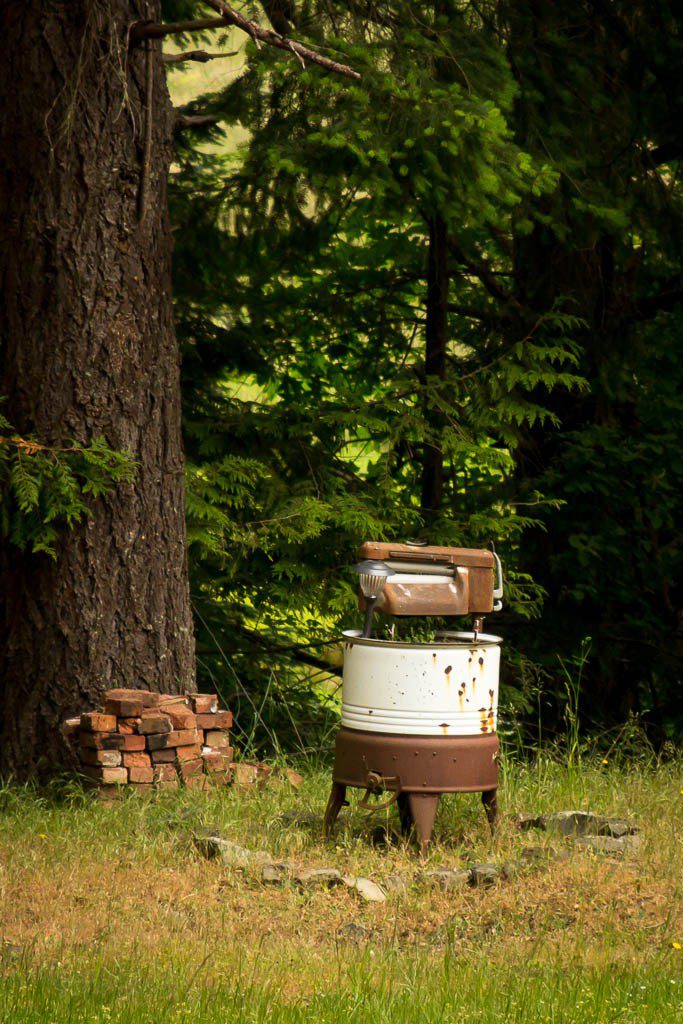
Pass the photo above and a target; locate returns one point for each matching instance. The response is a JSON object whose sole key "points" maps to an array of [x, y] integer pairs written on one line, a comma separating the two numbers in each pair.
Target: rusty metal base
{"points": [[415, 770]]}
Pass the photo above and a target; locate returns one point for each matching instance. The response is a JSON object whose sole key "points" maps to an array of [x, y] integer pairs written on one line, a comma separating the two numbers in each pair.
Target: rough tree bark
{"points": [[88, 348]]}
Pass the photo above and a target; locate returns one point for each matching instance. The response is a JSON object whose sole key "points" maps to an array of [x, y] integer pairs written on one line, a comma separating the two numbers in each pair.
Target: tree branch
{"points": [[200, 55], [228, 16], [183, 121]]}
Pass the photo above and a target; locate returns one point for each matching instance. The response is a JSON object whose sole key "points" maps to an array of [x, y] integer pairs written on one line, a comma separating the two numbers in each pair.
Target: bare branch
{"points": [[266, 35], [152, 30], [200, 55], [194, 121]]}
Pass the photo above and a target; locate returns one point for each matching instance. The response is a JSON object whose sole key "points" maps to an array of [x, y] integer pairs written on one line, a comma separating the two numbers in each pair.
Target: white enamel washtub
{"points": [[447, 688]]}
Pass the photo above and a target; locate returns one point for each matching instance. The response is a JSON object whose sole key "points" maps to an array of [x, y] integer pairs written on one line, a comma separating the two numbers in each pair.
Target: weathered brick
{"points": [[204, 703], [177, 738], [216, 739], [216, 761], [198, 782], [173, 700], [106, 774], [172, 755], [140, 774], [165, 773], [188, 769], [181, 717], [70, 727], [217, 720], [101, 740], [154, 722], [133, 742], [128, 726], [111, 758], [95, 721], [123, 707], [137, 759], [146, 697]]}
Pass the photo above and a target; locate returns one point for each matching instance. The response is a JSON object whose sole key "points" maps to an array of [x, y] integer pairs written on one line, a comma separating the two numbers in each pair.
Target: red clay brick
{"points": [[71, 726], [133, 742], [188, 769], [173, 755], [177, 738], [181, 717], [123, 707], [165, 773], [140, 774], [216, 739], [137, 760], [198, 782], [111, 758], [128, 726], [106, 774], [95, 721], [217, 761], [101, 740], [146, 697], [153, 722], [217, 720], [204, 703]]}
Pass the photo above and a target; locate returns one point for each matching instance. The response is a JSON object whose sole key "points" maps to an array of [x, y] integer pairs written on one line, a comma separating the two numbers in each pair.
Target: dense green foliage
{"points": [[43, 488], [442, 301]]}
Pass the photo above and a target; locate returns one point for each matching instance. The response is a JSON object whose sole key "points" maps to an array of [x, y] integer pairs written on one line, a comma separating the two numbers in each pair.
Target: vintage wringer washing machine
{"points": [[419, 719]]}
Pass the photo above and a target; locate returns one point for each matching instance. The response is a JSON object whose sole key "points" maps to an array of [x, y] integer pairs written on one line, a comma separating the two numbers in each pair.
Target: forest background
{"points": [[441, 301]]}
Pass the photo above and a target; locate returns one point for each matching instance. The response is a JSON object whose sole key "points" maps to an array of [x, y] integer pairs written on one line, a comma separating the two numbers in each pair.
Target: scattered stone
{"points": [[354, 932], [525, 822], [314, 877], [396, 884], [368, 890], [616, 827], [275, 872], [609, 844], [483, 875], [535, 853], [510, 870], [448, 878], [570, 823], [230, 853]]}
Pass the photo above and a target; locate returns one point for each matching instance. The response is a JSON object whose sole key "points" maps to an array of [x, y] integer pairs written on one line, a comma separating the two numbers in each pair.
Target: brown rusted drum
{"points": [[421, 764]]}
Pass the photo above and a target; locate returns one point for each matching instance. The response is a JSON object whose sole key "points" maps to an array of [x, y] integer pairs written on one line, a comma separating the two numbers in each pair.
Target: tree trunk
{"points": [[88, 348], [436, 340]]}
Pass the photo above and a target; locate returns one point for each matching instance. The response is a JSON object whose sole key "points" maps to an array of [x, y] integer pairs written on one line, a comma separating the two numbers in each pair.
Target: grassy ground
{"points": [[109, 914]]}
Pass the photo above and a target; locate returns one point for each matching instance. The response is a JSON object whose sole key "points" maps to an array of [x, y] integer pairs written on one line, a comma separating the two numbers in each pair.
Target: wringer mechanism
{"points": [[419, 719]]}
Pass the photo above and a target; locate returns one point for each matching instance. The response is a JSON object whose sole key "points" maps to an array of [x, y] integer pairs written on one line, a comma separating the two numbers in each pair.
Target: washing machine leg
{"points": [[404, 814], [490, 802], [334, 806], [422, 808]]}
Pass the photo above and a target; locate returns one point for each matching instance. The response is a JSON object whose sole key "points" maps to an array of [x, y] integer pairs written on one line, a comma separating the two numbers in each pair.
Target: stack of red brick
{"points": [[150, 739]]}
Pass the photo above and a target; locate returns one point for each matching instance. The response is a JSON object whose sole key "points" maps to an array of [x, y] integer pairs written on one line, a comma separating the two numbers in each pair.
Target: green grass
{"points": [[108, 913]]}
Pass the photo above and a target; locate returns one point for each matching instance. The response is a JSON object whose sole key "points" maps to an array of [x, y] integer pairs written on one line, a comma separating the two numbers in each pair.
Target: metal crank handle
{"points": [[367, 805]]}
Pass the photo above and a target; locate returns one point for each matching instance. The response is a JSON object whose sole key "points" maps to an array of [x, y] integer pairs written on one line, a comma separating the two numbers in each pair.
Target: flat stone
{"points": [[609, 845], [275, 872], [368, 890], [448, 878], [571, 823], [525, 822], [313, 877], [616, 827], [230, 853], [483, 874], [396, 884], [354, 932]]}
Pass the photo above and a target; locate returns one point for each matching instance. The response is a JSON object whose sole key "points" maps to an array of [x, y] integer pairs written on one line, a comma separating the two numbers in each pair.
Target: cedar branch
{"points": [[199, 55]]}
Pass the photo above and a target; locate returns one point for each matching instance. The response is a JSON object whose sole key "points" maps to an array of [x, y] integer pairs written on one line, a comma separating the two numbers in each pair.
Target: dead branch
{"points": [[183, 121], [199, 55], [228, 16]]}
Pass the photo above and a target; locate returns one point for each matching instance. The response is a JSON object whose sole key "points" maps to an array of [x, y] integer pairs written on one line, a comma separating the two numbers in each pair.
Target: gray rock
{"points": [[525, 822], [609, 845], [483, 874], [366, 889], [448, 878], [230, 853], [534, 853], [311, 878], [354, 932], [570, 823], [275, 872], [586, 823], [396, 884]]}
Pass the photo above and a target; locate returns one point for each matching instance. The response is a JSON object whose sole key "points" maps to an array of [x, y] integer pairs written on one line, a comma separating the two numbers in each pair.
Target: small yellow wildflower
{"points": [[677, 945], [42, 836], [605, 761]]}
